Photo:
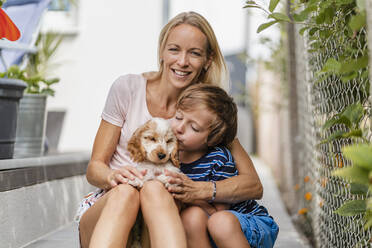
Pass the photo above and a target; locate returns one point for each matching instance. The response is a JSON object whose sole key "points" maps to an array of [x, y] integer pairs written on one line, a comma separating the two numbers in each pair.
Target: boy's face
{"points": [[192, 129]]}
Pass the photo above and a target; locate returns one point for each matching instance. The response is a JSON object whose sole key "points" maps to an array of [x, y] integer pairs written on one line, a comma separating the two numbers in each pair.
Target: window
{"points": [[61, 17]]}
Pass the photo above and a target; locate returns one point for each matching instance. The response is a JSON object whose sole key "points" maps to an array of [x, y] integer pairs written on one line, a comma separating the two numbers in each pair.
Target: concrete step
{"points": [[289, 237], [65, 237]]}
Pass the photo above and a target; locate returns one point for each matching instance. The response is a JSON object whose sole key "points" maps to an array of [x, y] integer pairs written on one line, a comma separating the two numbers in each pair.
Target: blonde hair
{"points": [[223, 129], [217, 73]]}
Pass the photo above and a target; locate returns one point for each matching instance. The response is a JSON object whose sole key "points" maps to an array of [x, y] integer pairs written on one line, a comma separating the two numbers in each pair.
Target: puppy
{"points": [[154, 147]]}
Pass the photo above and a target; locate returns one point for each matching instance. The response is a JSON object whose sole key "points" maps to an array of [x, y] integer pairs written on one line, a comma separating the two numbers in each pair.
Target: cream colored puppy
{"points": [[154, 147]]}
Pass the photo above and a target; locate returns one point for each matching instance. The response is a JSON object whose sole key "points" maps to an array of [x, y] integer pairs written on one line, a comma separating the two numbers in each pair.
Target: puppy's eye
{"points": [[169, 141], [150, 138]]}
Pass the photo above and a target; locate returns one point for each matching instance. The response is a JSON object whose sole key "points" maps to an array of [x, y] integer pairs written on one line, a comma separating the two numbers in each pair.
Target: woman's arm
{"points": [[99, 173], [245, 186]]}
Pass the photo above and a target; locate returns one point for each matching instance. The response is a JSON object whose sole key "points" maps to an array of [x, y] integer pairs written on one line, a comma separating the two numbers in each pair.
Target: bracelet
{"points": [[214, 192]]}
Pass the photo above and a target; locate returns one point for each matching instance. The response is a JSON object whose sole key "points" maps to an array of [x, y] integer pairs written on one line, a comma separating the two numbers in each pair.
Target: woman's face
{"points": [[184, 55]]}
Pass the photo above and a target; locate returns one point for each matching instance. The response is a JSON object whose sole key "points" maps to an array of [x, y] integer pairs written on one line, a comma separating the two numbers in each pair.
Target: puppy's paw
{"points": [[163, 178], [136, 182]]}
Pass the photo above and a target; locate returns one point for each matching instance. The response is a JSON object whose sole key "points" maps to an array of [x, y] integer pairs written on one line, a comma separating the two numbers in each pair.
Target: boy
{"points": [[205, 124]]}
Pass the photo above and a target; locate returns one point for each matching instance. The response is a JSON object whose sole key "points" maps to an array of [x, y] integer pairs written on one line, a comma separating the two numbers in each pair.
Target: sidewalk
{"points": [[288, 236], [67, 237]]}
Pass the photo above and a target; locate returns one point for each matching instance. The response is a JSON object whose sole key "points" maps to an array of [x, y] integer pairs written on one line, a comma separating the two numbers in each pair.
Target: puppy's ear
{"points": [[174, 156], [135, 147]]}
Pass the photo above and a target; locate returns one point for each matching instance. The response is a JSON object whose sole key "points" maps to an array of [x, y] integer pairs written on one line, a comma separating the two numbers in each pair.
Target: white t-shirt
{"points": [[126, 107]]}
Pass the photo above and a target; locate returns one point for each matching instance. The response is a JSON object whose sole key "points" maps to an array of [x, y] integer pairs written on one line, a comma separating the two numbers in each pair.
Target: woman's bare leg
{"points": [[195, 221], [225, 230], [108, 222], [161, 216]]}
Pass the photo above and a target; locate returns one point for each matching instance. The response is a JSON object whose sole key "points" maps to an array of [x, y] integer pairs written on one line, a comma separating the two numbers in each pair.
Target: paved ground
{"points": [[67, 237]]}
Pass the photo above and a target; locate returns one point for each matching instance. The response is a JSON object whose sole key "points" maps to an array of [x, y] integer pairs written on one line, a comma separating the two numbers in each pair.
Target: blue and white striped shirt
{"points": [[218, 164]]}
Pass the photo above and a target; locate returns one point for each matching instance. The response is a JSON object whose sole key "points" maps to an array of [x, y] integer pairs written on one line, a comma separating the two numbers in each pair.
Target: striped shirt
{"points": [[218, 164]]}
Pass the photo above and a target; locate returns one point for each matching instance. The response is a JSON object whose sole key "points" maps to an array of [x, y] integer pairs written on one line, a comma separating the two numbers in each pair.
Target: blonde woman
{"points": [[188, 54]]}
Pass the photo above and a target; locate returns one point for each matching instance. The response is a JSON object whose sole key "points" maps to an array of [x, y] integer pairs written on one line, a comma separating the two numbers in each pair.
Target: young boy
{"points": [[205, 124]]}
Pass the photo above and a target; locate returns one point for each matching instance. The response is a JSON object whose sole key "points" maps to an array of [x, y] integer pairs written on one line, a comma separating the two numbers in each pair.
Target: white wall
{"points": [[227, 18], [118, 37]]}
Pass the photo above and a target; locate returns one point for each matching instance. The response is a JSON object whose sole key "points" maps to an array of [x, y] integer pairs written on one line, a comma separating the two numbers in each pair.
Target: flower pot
{"points": [[11, 90], [30, 133], [54, 127]]}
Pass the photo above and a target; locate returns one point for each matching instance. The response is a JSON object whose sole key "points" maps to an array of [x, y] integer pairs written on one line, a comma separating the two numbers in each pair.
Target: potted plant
{"points": [[11, 90], [30, 132]]}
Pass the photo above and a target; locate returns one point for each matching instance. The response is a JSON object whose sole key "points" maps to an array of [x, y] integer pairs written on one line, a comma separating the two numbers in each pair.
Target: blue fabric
{"points": [[26, 16], [261, 231], [257, 225], [18, 2], [215, 165]]}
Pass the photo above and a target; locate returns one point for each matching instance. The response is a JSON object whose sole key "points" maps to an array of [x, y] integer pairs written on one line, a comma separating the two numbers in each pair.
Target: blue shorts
{"points": [[260, 230]]}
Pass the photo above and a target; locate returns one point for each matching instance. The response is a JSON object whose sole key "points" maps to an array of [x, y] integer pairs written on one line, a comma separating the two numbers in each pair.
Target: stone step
{"points": [[67, 236]]}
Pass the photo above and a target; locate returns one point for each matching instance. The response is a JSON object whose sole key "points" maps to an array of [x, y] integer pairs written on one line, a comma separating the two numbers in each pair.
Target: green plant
{"points": [[35, 73], [360, 174], [318, 18], [35, 84], [335, 31]]}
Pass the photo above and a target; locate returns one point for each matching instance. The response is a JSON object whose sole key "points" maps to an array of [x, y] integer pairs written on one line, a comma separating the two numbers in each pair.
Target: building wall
{"points": [[116, 38]]}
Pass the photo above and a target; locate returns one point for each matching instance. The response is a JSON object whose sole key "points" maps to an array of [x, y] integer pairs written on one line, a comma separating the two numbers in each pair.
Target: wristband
{"points": [[214, 192]]}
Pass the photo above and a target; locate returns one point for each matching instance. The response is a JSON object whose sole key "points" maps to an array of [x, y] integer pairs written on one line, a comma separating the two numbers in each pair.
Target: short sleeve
{"points": [[117, 102], [223, 165]]}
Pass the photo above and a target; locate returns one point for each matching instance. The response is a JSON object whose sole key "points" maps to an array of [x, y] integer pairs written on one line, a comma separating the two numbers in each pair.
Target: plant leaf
{"points": [[358, 21], [302, 30], [352, 208], [265, 26], [273, 4], [354, 113], [333, 136], [337, 120], [353, 133], [360, 155], [331, 65], [280, 17], [358, 189], [354, 173], [346, 78], [368, 219]]}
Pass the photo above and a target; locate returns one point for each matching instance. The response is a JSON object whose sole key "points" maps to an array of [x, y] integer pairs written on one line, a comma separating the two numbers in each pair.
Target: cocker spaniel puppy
{"points": [[154, 147]]}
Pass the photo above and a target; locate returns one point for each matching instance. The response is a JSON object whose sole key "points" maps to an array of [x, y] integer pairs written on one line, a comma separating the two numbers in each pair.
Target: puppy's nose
{"points": [[161, 155]]}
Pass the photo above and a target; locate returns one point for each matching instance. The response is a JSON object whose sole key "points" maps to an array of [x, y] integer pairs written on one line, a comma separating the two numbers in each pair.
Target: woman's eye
{"points": [[172, 49], [178, 118], [196, 54]]}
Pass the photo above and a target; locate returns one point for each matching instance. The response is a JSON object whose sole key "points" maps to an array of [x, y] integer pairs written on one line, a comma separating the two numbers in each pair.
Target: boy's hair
{"points": [[224, 127]]}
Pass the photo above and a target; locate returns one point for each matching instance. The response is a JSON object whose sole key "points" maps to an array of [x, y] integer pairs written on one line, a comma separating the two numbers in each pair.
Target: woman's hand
{"points": [[123, 175], [186, 190]]}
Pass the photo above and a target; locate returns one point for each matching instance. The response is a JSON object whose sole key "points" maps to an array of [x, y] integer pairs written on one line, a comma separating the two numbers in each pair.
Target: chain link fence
{"points": [[317, 102]]}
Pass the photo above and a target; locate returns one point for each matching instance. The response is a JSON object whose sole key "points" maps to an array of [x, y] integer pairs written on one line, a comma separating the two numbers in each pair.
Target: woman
{"points": [[188, 53]]}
